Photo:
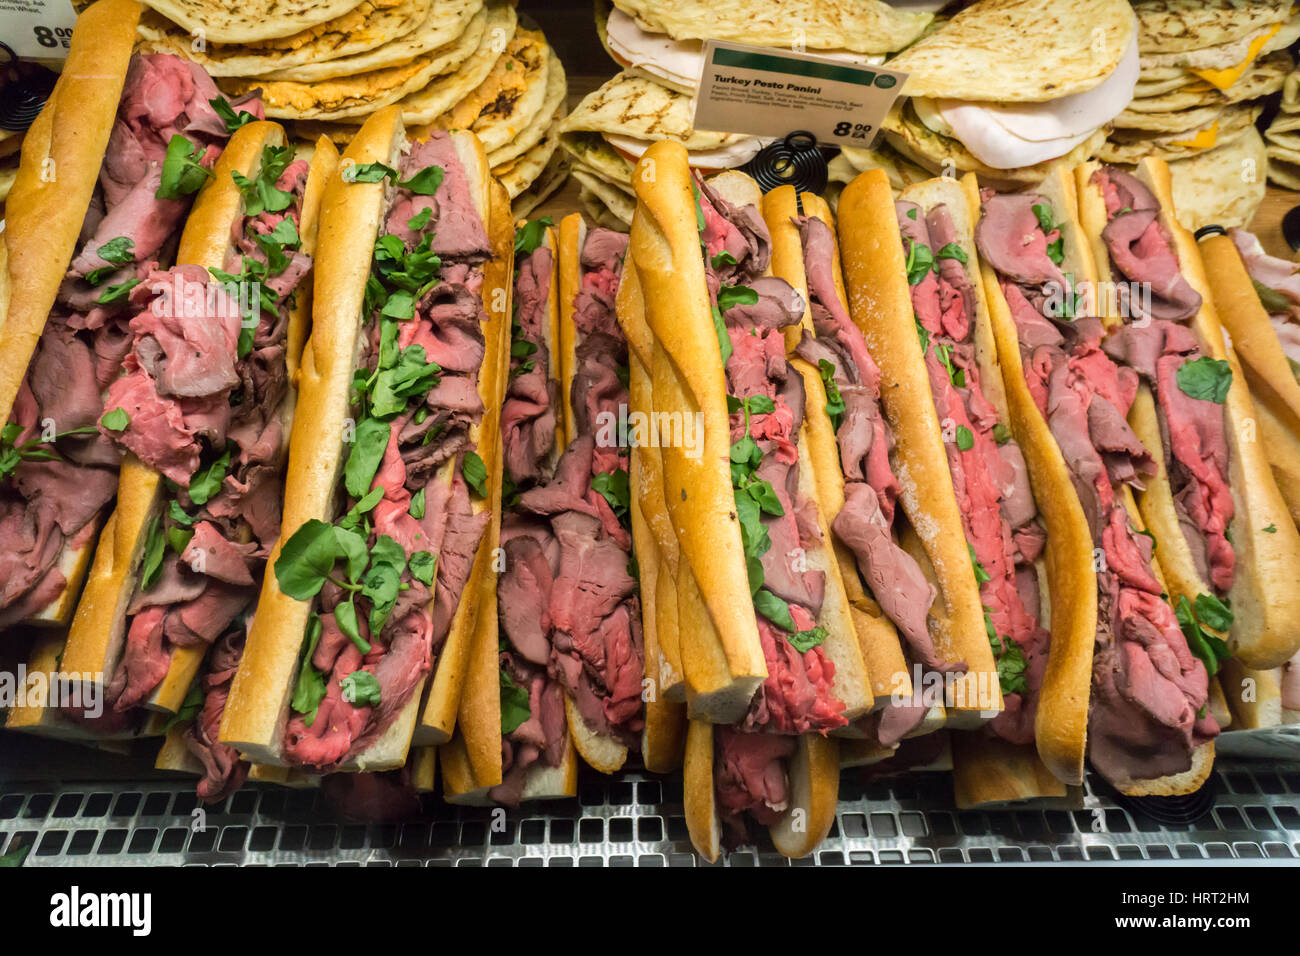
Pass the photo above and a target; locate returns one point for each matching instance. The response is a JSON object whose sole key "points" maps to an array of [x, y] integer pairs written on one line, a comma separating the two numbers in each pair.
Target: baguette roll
{"points": [[879, 299], [1258, 571], [1230, 262], [97, 638], [1058, 385], [375, 235]]}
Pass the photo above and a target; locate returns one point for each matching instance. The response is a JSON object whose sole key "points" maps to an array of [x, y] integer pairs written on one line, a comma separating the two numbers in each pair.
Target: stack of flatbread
{"points": [[448, 64], [1206, 65], [1282, 136], [659, 44]]}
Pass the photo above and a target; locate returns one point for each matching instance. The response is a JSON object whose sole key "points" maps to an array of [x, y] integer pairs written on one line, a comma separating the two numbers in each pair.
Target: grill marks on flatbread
{"points": [[248, 21], [371, 24], [864, 26], [358, 96], [446, 22], [980, 53], [1172, 26]]}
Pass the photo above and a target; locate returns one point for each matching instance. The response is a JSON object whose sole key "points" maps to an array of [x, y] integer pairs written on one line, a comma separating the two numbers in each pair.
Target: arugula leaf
{"points": [[720, 329], [365, 455], [514, 705], [1271, 529], [805, 641], [117, 293], [383, 580], [423, 565], [189, 709], [366, 503], [1044, 213], [154, 547], [228, 115], [307, 559], [1011, 668], [835, 406], [309, 691], [732, 295], [420, 219], [980, 574], [261, 194], [352, 548], [475, 473], [411, 377], [920, 261], [952, 251], [1206, 378], [182, 173], [1212, 612], [530, 235], [116, 251], [1056, 250], [1001, 433], [1211, 649], [965, 440], [923, 334], [774, 609], [416, 510], [699, 207], [723, 258], [116, 420], [179, 539], [207, 481], [178, 514], [345, 616], [367, 173], [613, 486], [361, 689], [425, 182]]}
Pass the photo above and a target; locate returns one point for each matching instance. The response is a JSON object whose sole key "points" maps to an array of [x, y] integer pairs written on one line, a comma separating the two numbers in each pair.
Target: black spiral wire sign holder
{"points": [[795, 160], [24, 90]]}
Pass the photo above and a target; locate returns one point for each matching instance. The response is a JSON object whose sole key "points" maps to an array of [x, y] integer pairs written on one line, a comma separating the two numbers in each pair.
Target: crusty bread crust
{"points": [[96, 637], [1265, 594], [257, 709], [699, 798], [871, 250], [988, 770], [688, 379], [1253, 697], [650, 501], [1061, 726], [1283, 451]]}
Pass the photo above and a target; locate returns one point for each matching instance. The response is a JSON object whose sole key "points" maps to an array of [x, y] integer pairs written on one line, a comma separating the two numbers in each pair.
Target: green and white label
{"points": [[37, 29], [766, 92]]}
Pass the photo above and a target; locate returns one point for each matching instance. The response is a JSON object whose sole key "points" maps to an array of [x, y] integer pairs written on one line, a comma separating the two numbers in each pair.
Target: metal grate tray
{"points": [[635, 820]]}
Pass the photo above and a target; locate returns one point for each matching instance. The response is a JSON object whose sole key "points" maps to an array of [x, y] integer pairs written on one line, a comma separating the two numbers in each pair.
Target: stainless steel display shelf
{"points": [[636, 820]]}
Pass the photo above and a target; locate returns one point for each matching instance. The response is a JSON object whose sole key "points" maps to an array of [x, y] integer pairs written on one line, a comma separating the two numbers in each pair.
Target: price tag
{"points": [[767, 92], [37, 29]]}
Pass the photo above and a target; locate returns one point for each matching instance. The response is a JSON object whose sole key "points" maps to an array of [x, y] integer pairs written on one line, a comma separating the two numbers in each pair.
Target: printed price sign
{"points": [[767, 92], [37, 29]]}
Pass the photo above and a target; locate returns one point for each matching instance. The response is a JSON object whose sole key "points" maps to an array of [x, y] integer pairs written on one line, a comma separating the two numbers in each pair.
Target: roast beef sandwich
{"points": [[106, 178], [1225, 542], [766, 637], [1257, 297], [983, 469], [203, 410], [392, 471], [1121, 687]]}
